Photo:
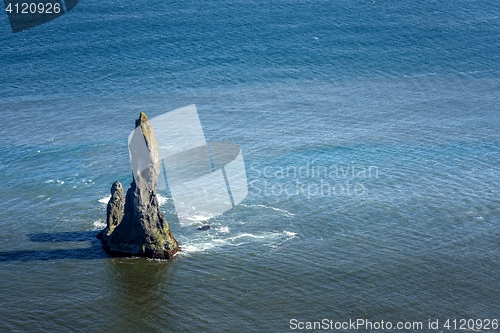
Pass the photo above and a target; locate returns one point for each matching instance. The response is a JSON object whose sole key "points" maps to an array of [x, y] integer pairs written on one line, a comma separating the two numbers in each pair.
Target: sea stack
{"points": [[135, 226]]}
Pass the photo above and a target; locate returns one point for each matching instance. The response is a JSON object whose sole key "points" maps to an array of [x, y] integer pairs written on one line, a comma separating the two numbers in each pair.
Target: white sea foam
{"points": [[224, 230], [161, 199], [208, 242], [270, 207], [196, 218], [199, 247], [99, 225], [248, 235], [105, 200], [58, 181]]}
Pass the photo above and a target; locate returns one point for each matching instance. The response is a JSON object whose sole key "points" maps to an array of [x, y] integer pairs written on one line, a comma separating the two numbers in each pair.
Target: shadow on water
{"points": [[94, 251]]}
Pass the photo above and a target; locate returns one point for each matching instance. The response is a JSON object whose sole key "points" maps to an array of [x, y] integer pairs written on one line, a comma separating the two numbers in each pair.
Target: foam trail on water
{"points": [[220, 238], [270, 207], [58, 181], [247, 235]]}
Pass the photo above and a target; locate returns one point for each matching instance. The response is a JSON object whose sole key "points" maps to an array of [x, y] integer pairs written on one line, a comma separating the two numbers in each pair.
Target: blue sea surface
{"points": [[370, 132]]}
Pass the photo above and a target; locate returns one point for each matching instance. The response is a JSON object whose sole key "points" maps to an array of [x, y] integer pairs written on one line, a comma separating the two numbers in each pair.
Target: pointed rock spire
{"points": [[135, 224]]}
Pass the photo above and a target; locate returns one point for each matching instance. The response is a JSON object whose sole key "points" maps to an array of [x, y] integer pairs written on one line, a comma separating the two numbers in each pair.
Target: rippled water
{"points": [[406, 95]]}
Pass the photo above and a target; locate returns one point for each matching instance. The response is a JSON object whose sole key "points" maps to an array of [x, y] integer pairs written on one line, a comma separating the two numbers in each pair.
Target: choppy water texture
{"points": [[404, 93]]}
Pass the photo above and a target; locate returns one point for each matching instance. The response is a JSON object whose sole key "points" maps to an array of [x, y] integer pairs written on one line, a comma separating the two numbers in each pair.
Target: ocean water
{"points": [[371, 137]]}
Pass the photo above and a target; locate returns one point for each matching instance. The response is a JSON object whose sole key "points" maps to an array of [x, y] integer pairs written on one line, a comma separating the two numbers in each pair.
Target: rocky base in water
{"points": [[135, 226]]}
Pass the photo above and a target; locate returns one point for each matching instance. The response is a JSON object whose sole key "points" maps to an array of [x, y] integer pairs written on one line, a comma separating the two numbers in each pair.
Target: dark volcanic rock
{"points": [[204, 227], [135, 224], [115, 209]]}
